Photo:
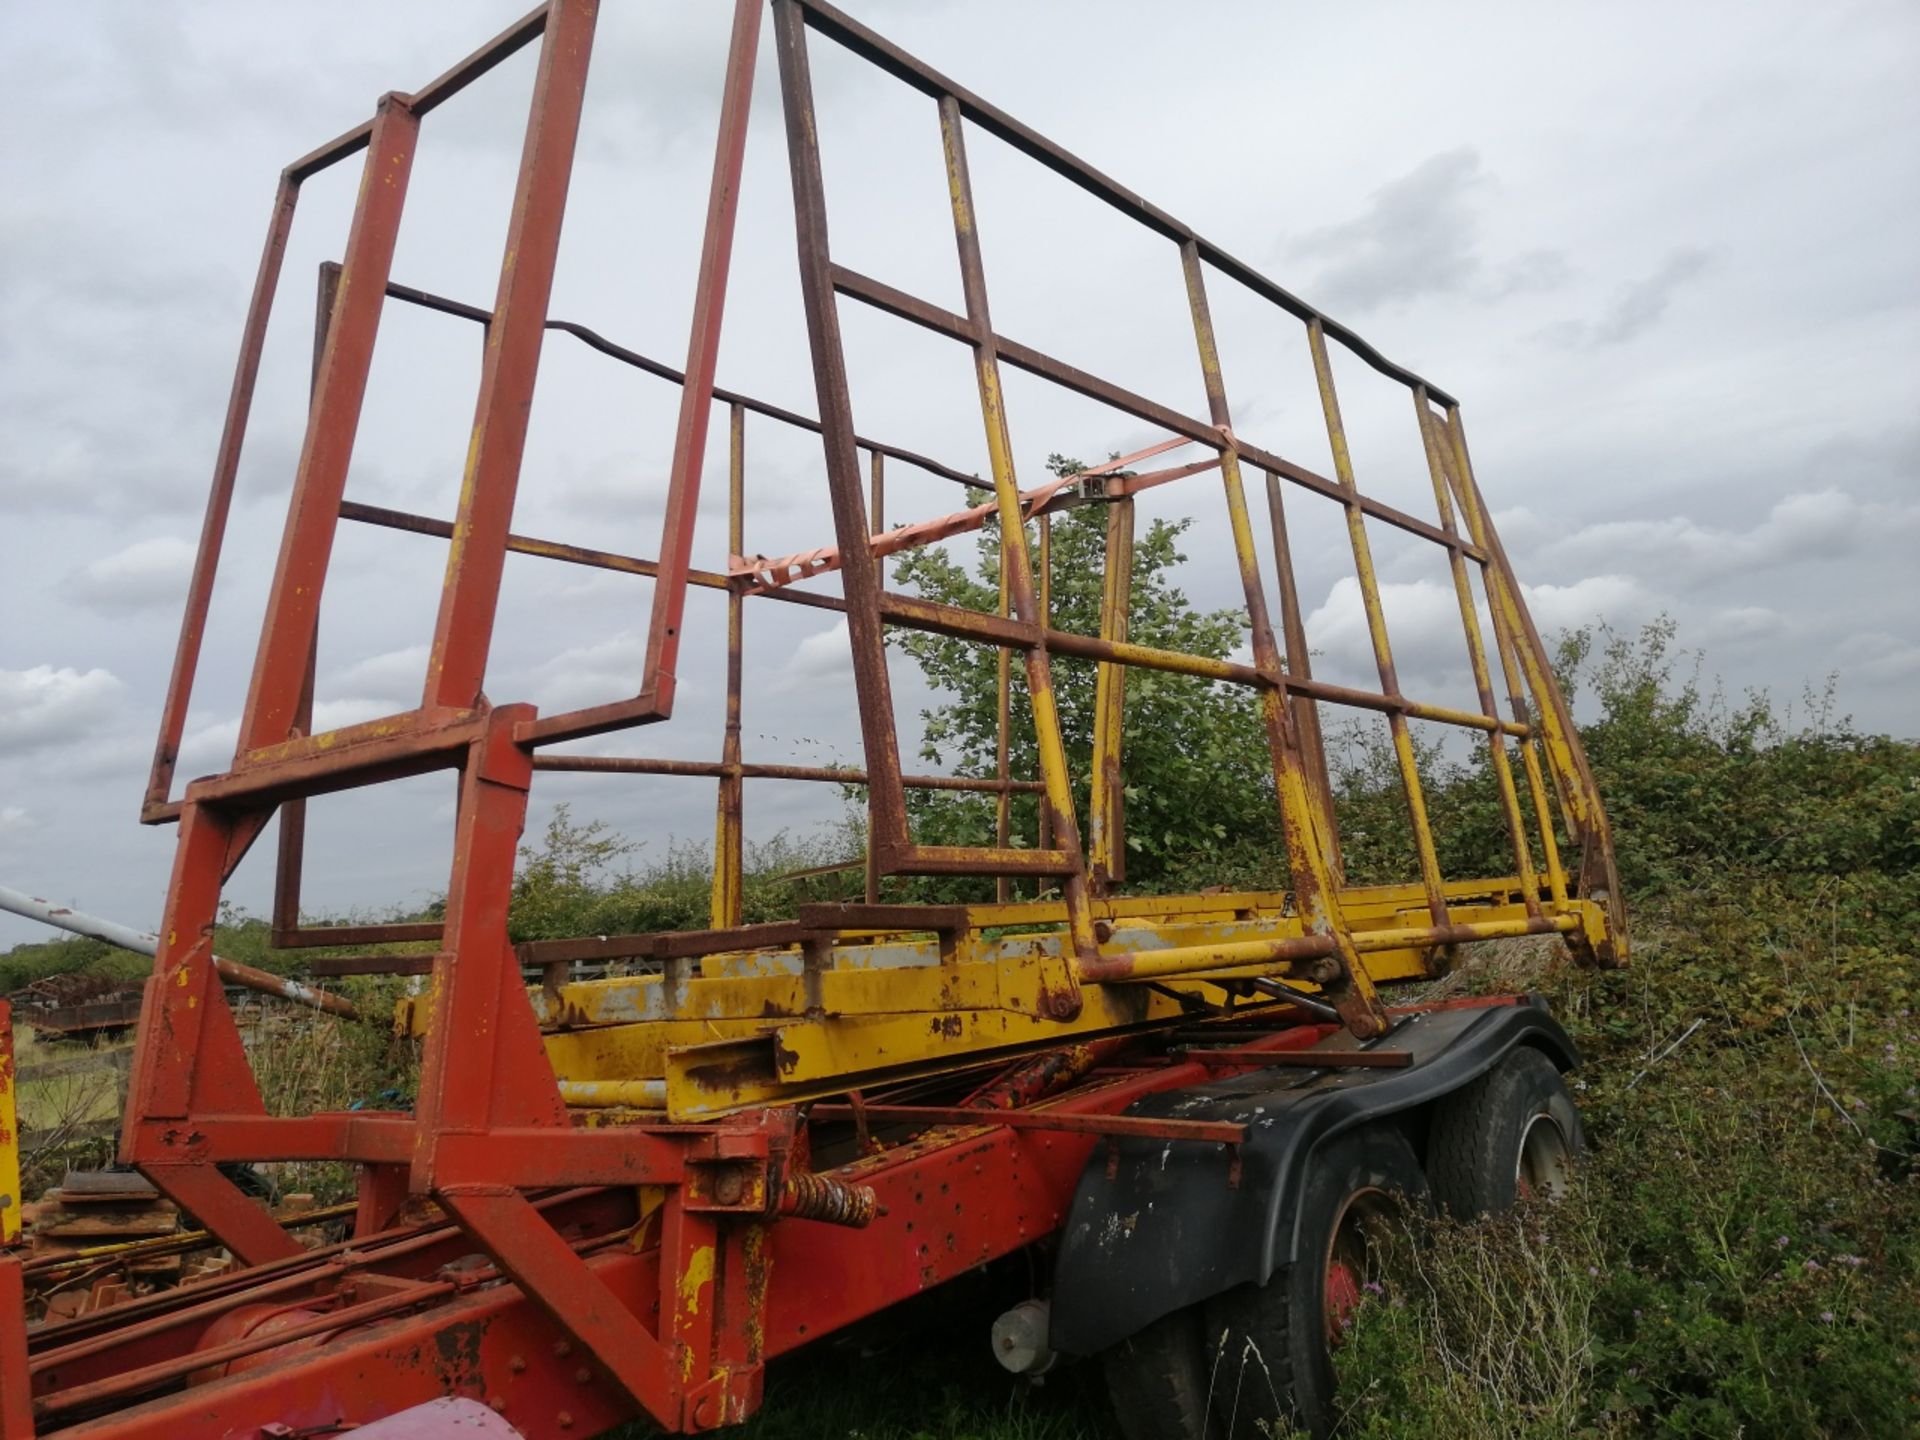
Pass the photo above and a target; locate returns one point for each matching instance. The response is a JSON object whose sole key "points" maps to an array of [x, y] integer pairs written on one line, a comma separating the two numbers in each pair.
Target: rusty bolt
{"points": [[562, 1349], [729, 1185], [582, 1375], [564, 1419], [516, 1363]]}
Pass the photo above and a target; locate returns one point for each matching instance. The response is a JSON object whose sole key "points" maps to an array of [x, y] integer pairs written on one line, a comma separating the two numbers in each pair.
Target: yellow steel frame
{"points": [[10, 1198], [843, 1008]]}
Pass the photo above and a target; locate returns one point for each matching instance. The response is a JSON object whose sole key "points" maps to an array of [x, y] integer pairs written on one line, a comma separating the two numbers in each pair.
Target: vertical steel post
{"points": [[729, 825], [1377, 628], [213, 527], [859, 572], [876, 522], [9, 1139], [1504, 644], [1003, 741], [1298, 663], [484, 1062], [1106, 816], [1057, 806], [1043, 836], [476, 556], [1309, 850], [292, 839], [703, 350], [1477, 656], [16, 1374], [188, 1059], [313, 511]]}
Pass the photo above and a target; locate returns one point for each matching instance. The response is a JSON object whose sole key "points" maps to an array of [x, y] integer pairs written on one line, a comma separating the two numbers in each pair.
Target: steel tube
{"points": [[64, 917]]}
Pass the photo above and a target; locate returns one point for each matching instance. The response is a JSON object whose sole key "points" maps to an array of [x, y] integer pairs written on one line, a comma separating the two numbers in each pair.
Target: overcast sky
{"points": [[1668, 257]]}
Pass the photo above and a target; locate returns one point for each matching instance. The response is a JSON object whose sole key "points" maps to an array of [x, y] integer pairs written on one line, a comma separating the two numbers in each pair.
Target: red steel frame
{"points": [[680, 1329]]}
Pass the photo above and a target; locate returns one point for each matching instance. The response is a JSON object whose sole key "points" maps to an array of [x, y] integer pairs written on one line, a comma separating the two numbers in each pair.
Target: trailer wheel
{"points": [[1512, 1133], [1275, 1341], [1158, 1383]]}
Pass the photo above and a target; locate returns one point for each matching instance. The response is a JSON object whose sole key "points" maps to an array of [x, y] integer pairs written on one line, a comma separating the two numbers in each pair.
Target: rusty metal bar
{"points": [[711, 769], [765, 573], [1003, 737], [1310, 852], [1023, 357], [917, 613], [594, 340], [1106, 815], [213, 526], [291, 841], [729, 840], [1031, 607], [860, 580], [63, 917], [1573, 780], [1297, 664], [469, 597], [876, 523], [1477, 658], [1043, 824], [838, 26], [1072, 1122], [703, 353], [451, 81], [434, 93], [293, 606], [1377, 629]]}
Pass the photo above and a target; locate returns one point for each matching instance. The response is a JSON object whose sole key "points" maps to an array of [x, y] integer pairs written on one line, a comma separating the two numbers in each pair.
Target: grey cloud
{"points": [[1638, 307], [1535, 271], [1817, 525], [46, 707], [1420, 236], [148, 574], [1416, 237]]}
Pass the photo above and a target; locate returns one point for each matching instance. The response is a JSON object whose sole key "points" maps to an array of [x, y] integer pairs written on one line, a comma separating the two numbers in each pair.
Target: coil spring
{"points": [[807, 1196]]}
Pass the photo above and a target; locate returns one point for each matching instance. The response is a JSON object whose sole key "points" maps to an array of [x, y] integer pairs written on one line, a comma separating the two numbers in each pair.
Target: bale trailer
{"points": [[621, 1197]]}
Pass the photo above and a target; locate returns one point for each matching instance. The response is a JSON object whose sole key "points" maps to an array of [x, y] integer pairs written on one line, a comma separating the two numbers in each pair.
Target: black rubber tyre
{"points": [[1158, 1383], [1514, 1130], [1274, 1341]]}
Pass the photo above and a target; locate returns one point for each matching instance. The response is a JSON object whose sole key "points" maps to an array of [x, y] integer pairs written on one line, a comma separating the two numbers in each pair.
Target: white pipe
{"points": [[64, 917]]}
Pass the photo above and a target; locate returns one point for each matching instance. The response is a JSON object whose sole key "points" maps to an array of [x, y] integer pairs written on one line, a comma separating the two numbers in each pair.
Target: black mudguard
{"points": [[1172, 1224]]}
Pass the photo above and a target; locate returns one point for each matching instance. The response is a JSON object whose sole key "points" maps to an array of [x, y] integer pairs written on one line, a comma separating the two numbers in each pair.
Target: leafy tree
{"points": [[1194, 754]]}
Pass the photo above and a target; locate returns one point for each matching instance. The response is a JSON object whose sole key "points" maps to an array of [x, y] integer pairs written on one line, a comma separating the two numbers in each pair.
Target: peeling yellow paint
{"points": [[697, 1275]]}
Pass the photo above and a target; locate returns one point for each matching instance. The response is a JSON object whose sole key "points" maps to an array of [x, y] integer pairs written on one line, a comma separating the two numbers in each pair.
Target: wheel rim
{"points": [[1543, 1168], [1350, 1259]]}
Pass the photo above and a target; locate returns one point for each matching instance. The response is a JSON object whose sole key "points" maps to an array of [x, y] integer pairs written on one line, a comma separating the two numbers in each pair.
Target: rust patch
{"points": [[456, 1357]]}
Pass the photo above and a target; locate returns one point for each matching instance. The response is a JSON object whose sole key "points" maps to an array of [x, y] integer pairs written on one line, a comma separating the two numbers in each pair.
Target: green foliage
{"points": [[77, 955], [1200, 785], [568, 884], [1743, 1255]]}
